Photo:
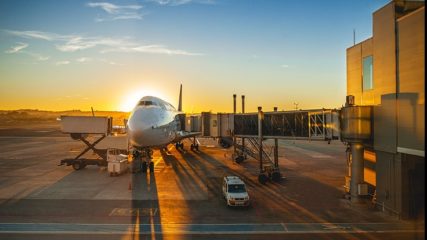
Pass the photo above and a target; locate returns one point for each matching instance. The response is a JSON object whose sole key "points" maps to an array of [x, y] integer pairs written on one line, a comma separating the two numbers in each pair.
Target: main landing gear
{"points": [[179, 146], [194, 146]]}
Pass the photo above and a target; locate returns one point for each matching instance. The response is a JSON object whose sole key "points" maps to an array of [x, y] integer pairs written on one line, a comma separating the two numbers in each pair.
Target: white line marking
{"points": [[284, 226], [271, 228], [310, 153]]}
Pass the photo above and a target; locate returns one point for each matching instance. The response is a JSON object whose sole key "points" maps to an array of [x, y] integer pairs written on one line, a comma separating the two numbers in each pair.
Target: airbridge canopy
{"points": [[321, 124]]}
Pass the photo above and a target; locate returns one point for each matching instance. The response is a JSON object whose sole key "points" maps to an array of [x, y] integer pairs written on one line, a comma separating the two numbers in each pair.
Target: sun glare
{"points": [[130, 99]]}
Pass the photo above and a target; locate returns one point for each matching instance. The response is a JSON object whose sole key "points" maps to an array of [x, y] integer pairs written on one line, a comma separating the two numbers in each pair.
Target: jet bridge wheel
{"points": [[240, 159], [262, 178], [78, 164], [276, 176]]}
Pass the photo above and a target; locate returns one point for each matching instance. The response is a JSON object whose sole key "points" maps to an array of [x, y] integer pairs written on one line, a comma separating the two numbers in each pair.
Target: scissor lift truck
{"points": [[80, 128]]}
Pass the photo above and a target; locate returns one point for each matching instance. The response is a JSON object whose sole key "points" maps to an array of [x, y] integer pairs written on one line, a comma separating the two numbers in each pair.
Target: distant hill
{"points": [[22, 116]]}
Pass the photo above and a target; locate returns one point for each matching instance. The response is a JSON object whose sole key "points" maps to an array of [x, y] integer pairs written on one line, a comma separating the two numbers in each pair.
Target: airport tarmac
{"points": [[182, 198]]}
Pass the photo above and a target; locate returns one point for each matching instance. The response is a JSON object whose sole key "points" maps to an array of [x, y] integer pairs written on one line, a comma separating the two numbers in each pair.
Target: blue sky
{"points": [[62, 54]]}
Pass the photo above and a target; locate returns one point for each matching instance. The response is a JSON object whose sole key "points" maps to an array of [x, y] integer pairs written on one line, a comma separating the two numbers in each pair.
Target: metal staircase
{"points": [[252, 148]]}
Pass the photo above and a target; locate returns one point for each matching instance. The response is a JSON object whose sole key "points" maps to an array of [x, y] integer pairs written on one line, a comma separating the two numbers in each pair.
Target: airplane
{"points": [[154, 124]]}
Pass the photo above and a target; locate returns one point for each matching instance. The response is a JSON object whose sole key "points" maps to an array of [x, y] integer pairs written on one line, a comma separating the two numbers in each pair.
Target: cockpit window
{"points": [[146, 103], [169, 107]]}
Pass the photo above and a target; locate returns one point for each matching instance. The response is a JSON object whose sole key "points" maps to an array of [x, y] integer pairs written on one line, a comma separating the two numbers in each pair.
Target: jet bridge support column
{"points": [[276, 149], [275, 175], [243, 111], [262, 177], [357, 170], [355, 130], [236, 156]]}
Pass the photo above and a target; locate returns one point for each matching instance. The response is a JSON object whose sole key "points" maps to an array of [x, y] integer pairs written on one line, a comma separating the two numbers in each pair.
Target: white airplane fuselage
{"points": [[153, 123]]}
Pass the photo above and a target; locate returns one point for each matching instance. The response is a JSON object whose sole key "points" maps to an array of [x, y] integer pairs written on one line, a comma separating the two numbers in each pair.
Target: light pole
{"points": [[295, 116], [296, 106]]}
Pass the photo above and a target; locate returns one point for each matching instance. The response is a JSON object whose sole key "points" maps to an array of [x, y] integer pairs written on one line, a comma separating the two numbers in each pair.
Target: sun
{"points": [[131, 98]]}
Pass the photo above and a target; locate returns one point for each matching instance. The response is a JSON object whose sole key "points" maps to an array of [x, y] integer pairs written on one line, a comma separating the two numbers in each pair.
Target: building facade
{"points": [[387, 72]]}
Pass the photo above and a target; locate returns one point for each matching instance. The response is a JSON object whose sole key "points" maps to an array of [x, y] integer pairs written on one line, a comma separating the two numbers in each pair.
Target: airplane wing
{"points": [[185, 134]]}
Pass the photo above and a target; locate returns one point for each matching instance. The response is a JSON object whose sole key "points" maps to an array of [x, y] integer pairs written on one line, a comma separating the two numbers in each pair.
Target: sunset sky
{"points": [[71, 54]]}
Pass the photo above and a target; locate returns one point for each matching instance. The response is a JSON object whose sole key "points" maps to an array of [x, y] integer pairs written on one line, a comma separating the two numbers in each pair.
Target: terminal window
{"points": [[367, 74]]}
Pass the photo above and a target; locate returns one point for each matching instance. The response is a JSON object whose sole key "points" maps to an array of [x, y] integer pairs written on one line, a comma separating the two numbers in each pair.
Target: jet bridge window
{"points": [[146, 103]]}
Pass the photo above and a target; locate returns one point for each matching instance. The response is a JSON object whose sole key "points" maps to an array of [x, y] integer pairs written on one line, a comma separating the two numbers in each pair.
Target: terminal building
{"points": [[386, 72]]}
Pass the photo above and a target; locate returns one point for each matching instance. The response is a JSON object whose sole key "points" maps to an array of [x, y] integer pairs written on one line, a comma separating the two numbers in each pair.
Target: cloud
{"points": [[136, 16], [284, 66], [59, 63], [109, 62], [81, 43], [117, 12], [181, 2], [35, 35], [83, 59], [156, 49], [20, 49], [37, 56], [73, 43], [17, 48], [114, 9]]}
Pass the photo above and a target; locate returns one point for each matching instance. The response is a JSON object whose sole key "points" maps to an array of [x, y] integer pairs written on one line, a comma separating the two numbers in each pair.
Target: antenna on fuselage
{"points": [[180, 99]]}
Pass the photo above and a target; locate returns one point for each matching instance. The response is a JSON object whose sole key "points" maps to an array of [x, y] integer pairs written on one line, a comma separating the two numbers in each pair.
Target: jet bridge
{"points": [[247, 132], [314, 124]]}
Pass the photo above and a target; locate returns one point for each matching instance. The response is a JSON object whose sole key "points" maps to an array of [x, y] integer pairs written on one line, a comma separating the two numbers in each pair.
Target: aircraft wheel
{"points": [[144, 167], [151, 167], [197, 147]]}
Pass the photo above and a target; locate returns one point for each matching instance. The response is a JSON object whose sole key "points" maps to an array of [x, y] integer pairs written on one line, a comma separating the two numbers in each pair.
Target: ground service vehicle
{"points": [[234, 191]]}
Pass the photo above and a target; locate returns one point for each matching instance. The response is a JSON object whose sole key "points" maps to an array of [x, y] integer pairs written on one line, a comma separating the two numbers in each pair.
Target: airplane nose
{"points": [[139, 129], [136, 138]]}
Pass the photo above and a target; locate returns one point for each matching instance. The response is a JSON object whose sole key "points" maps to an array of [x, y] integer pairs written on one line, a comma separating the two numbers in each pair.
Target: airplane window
{"points": [[170, 106], [163, 106]]}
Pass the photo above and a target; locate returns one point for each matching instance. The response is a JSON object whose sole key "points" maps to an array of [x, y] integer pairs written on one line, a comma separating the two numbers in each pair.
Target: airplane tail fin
{"points": [[180, 99]]}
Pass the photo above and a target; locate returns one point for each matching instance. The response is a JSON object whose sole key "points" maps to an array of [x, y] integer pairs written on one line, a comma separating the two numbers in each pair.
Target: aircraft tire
{"points": [[151, 167], [144, 167]]}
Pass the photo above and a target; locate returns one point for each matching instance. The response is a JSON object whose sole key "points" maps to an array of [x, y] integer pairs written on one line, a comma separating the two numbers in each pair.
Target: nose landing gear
{"points": [[141, 164], [179, 146]]}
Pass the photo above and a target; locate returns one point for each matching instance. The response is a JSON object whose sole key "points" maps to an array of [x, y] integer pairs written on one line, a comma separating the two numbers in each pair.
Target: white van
{"points": [[234, 191]]}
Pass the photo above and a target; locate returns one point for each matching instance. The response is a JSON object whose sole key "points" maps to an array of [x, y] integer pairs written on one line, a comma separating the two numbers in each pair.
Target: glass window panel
{"points": [[368, 83]]}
